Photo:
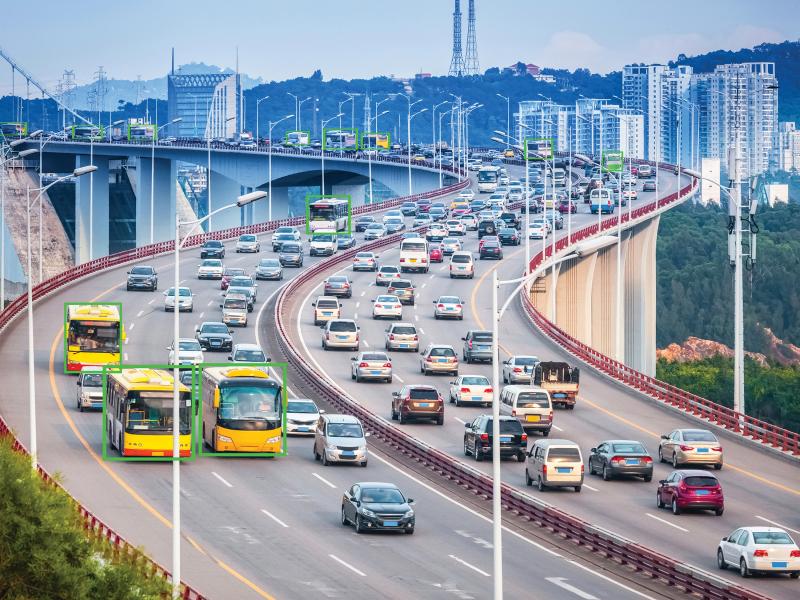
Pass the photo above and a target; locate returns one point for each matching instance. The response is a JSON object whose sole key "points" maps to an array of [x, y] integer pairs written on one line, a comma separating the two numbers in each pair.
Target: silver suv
{"points": [[340, 438], [402, 336]]}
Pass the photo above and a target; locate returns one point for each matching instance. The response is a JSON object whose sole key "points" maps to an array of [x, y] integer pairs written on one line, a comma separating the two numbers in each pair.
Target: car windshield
{"points": [[442, 352], [337, 279], [449, 300], [92, 380], [365, 219], [241, 282], [289, 230], [507, 426], [214, 328], [402, 330], [183, 292], [564, 455], [375, 356], [322, 237], [386, 299], [507, 231], [461, 258], [374, 226], [394, 220], [698, 436], [482, 336], [701, 481], [327, 304], [284, 236], [189, 345], [270, 262], [423, 394], [301, 406], [345, 430], [342, 326], [450, 240], [247, 238], [389, 270], [212, 262], [474, 380], [532, 400], [249, 356], [364, 255], [213, 244], [232, 271], [142, 271], [629, 448], [235, 303], [772, 537], [382, 496]]}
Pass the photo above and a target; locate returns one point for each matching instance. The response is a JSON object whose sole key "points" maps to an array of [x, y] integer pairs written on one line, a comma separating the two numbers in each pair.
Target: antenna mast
{"points": [[457, 62]]}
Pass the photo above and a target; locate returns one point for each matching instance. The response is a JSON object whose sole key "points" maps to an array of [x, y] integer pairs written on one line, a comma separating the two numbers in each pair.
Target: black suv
{"points": [[214, 336], [478, 438], [487, 228], [510, 219], [143, 277], [212, 249]]}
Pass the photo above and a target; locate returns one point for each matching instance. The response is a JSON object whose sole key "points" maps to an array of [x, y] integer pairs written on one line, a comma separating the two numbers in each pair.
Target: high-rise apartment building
{"points": [[788, 147]]}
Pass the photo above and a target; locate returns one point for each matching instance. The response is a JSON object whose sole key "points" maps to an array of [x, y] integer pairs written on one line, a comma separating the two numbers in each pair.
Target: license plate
{"points": [[559, 395], [303, 429], [703, 492], [377, 372], [449, 308], [413, 260], [327, 313], [631, 461], [341, 337], [391, 523], [441, 360], [780, 565], [477, 398], [564, 469], [702, 449], [215, 343], [532, 418], [505, 438], [424, 405], [348, 454], [403, 345]]}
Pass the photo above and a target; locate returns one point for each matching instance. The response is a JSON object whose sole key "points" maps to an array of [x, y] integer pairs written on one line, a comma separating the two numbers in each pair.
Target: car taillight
{"points": [[391, 336], [717, 448], [458, 306], [647, 459], [363, 365], [388, 365], [470, 344], [513, 412], [544, 470], [581, 469], [794, 554], [429, 359], [617, 459], [484, 437], [524, 437], [356, 337], [402, 260], [760, 553], [347, 285], [686, 448], [517, 370], [464, 390], [440, 306], [416, 337], [487, 390]]}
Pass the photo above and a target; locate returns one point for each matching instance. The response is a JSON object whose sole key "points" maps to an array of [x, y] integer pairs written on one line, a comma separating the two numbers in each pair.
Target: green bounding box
{"points": [[613, 161], [88, 132], [297, 138], [142, 132], [376, 140], [13, 130], [538, 148], [242, 409], [329, 211], [93, 335], [340, 138], [138, 405]]}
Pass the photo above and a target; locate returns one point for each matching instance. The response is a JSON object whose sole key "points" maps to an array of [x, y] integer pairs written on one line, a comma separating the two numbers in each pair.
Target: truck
{"points": [[560, 380]]}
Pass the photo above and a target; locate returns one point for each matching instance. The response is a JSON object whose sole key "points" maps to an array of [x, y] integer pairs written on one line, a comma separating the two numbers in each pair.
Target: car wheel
{"points": [[577, 489], [674, 460], [357, 378], [364, 463], [394, 415], [718, 466], [345, 522], [546, 432], [721, 564], [676, 510], [359, 526], [659, 502], [466, 449], [316, 454], [325, 462], [591, 467], [648, 478], [660, 455], [520, 457], [410, 531], [403, 419], [606, 476], [528, 480], [478, 455], [440, 420], [744, 570], [540, 483]]}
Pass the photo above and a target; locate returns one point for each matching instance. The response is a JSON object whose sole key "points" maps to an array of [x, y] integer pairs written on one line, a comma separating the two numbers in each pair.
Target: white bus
{"points": [[487, 179], [414, 255], [328, 213]]}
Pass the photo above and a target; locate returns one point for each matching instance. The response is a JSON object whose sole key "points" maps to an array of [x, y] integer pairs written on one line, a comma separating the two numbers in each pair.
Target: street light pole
{"points": [[411, 116], [152, 179], [322, 153], [442, 114], [508, 117], [269, 176], [369, 151], [497, 514], [433, 138], [258, 103]]}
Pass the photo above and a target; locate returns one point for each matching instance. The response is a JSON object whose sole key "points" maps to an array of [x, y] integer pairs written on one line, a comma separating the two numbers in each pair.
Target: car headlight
{"points": [[330, 447], [367, 512], [224, 438], [409, 513]]}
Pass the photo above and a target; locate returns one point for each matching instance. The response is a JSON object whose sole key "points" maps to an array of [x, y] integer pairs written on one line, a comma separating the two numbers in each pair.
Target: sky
{"points": [[363, 38]]}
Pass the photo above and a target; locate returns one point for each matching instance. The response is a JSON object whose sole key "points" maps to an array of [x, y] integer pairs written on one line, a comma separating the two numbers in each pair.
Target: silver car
{"points": [[519, 369], [450, 245], [340, 333], [690, 446], [448, 307], [340, 438], [386, 274], [402, 336], [269, 268], [210, 268], [248, 242], [374, 231], [371, 365]]}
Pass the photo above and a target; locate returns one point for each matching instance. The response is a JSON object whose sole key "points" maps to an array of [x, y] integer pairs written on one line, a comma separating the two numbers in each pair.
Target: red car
{"points": [[567, 206], [634, 170], [691, 489], [423, 206], [228, 274], [435, 255]]}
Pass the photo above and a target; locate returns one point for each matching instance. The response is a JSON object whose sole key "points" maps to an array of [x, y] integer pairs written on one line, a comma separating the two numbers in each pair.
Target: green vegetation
{"points": [[772, 393], [695, 283], [45, 552]]}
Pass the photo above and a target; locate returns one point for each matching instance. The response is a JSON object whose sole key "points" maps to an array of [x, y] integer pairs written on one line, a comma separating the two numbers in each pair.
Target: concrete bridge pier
{"points": [[639, 281], [94, 202], [357, 192], [163, 174], [224, 191]]}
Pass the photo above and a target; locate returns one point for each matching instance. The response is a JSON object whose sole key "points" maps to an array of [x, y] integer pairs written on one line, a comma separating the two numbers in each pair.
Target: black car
{"points": [[377, 506], [491, 249], [345, 241], [510, 219], [291, 255], [438, 213], [487, 228], [409, 209], [212, 249], [214, 335], [478, 438], [508, 236], [613, 458], [143, 277], [362, 221]]}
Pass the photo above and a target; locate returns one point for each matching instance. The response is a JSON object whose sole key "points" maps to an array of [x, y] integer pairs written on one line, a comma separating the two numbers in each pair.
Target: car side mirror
{"points": [[410, 500], [196, 329], [352, 358], [230, 358], [463, 339], [322, 411], [78, 383], [506, 362], [313, 304], [662, 482], [593, 450], [433, 301], [664, 437], [466, 425], [220, 305]]}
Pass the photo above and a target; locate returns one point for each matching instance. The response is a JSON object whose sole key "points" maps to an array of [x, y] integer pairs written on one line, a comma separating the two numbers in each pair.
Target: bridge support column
{"points": [[162, 174], [640, 297], [94, 202], [603, 311], [225, 191], [357, 192]]}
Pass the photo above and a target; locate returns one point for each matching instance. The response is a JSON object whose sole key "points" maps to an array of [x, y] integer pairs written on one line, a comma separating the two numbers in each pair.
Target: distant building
{"points": [[788, 147], [422, 76], [777, 193], [207, 103]]}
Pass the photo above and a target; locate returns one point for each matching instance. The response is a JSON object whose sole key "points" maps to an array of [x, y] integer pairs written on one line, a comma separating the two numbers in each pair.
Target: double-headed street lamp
{"points": [[410, 118], [269, 184], [441, 114], [297, 104], [31, 379], [322, 153], [241, 201], [375, 149], [508, 116]]}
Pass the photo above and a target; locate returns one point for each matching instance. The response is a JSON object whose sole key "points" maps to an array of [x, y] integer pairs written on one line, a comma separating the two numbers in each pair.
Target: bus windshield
{"points": [[152, 411], [94, 336], [487, 176], [249, 405], [322, 213]]}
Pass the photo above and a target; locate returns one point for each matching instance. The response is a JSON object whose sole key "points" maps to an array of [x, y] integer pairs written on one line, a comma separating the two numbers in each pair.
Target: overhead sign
{"points": [[613, 161], [538, 148]]}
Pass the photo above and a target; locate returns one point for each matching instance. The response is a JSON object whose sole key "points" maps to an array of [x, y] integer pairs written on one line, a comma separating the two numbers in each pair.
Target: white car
{"points": [[302, 416], [248, 242], [503, 180], [436, 232], [365, 261], [759, 550], [470, 222], [386, 274], [466, 195], [289, 230], [448, 307], [538, 230], [471, 389], [456, 227], [450, 245], [392, 214], [515, 194], [387, 307], [519, 369], [189, 352], [210, 268], [422, 220], [185, 299], [374, 231]]}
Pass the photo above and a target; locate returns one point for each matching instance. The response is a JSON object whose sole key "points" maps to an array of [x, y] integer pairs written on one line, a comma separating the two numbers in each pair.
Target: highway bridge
{"points": [[270, 528]]}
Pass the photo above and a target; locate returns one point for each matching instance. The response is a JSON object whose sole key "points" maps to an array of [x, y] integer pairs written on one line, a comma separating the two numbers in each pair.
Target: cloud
{"points": [[573, 49]]}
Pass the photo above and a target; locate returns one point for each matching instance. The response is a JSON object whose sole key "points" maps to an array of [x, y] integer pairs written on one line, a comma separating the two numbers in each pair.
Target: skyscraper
{"points": [[207, 103]]}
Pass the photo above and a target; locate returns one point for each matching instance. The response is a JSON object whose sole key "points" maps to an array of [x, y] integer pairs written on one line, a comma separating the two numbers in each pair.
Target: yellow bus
{"points": [[139, 405], [242, 410], [94, 333]]}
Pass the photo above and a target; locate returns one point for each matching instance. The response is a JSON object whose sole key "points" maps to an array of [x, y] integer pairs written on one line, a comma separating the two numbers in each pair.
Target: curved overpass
{"points": [[759, 489]]}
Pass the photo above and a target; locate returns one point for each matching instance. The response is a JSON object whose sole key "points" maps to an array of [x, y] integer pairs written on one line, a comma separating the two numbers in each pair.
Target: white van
{"points": [[414, 255], [462, 265], [323, 243], [531, 405], [554, 463], [234, 309], [559, 177], [90, 388]]}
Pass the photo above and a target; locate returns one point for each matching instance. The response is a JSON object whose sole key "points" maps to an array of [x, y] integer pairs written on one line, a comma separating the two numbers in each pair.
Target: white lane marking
{"points": [[416, 317], [274, 518], [200, 316], [152, 300], [127, 339], [759, 517], [218, 476], [358, 304], [364, 293], [371, 284], [432, 275], [349, 566], [396, 376], [131, 326], [139, 314], [562, 583], [366, 343], [606, 578], [557, 428], [587, 486], [667, 522], [460, 420], [323, 480], [422, 331], [423, 285], [210, 303], [125, 357], [466, 564]]}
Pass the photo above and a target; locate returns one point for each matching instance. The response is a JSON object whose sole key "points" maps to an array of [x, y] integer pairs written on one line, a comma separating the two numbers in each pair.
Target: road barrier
{"points": [[93, 525], [610, 545]]}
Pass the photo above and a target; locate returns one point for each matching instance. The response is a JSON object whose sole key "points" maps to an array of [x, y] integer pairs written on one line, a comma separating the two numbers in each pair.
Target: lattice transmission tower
{"points": [[471, 65], [457, 62]]}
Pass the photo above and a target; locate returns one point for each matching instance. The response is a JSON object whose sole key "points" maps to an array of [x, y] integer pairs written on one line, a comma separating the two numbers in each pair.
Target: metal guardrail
{"points": [[616, 548], [93, 525]]}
